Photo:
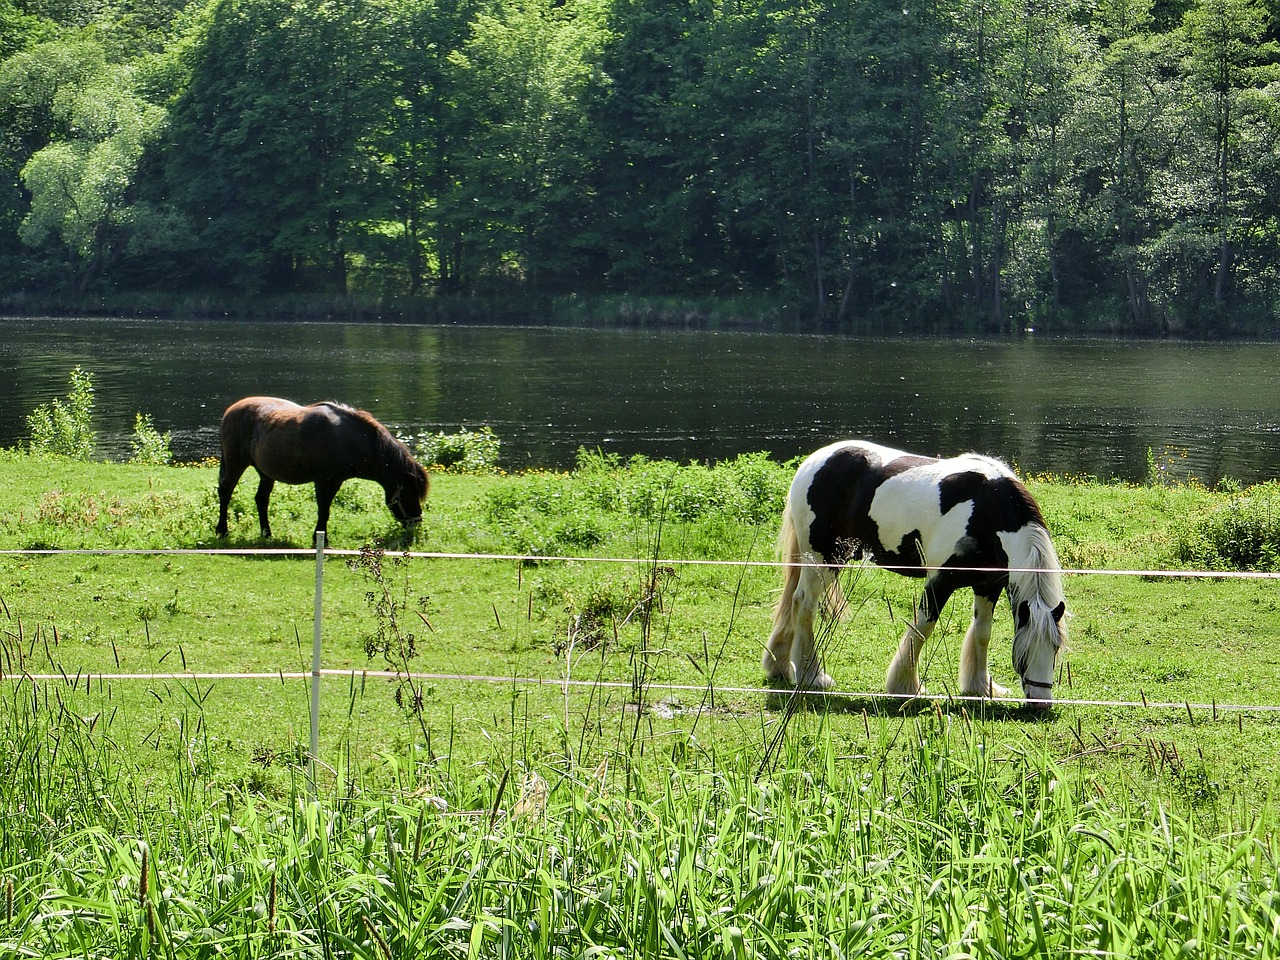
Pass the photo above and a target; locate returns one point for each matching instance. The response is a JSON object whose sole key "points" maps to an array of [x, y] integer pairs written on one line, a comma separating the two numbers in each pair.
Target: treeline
{"points": [[951, 166]]}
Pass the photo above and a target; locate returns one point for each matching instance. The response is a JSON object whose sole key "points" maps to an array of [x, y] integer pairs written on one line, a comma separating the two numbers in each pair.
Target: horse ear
{"points": [[1059, 611]]}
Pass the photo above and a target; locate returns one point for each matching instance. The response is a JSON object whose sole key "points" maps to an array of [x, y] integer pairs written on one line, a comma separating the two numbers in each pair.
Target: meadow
{"points": [[616, 779]]}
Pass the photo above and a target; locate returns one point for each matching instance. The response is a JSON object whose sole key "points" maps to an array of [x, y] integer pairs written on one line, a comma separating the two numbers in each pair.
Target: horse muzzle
{"points": [[1039, 696]]}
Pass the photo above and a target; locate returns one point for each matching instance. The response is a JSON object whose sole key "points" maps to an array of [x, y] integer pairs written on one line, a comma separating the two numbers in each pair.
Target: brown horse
{"points": [[325, 444]]}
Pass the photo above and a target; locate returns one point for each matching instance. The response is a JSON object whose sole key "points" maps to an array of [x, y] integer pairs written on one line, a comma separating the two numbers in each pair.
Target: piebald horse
{"points": [[961, 522], [325, 444]]}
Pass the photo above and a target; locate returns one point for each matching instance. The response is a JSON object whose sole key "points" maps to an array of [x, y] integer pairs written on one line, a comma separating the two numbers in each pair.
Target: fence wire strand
{"points": [[566, 683], [646, 561]]}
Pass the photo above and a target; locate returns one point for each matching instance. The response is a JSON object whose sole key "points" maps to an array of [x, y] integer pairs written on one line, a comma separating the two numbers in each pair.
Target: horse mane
{"points": [[1026, 502], [404, 458], [364, 417], [1036, 580], [1040, 574]]}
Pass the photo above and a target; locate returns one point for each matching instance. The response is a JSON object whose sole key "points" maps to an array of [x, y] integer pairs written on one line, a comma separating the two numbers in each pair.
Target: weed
{"points": [[467, 451], [66, 428], [393, 639], [150, 446], [1168, 468], [1242, 534]]}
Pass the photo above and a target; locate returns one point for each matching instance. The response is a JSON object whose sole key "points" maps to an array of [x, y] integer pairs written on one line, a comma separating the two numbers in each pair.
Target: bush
{"points": [[468, 451], [1243, 534], [66, 429], [150, 446], [542, 513]]}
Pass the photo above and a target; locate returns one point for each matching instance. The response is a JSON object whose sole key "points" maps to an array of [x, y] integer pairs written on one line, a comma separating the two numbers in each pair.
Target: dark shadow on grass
{"points": [[394, 538], [783, 698]]}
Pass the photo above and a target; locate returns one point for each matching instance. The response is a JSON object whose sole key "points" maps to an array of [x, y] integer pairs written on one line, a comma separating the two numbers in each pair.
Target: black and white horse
{"points": [[962, 522]]}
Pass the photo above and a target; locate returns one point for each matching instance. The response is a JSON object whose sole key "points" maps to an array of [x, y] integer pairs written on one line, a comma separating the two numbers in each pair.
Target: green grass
{"points": [[674, 822]]}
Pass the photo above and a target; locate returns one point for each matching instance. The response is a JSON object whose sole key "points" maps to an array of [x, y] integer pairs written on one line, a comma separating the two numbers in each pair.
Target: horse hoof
{"points": [[990, 689], [817, 683]]}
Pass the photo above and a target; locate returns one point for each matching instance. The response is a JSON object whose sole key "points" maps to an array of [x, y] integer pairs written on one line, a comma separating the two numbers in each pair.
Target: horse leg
{"points": [[262, 498], [975, 679], [326, 490], [903, 676], [806, 665], [228, 476]]}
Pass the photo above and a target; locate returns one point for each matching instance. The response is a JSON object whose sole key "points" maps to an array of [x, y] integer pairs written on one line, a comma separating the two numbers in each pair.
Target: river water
{"points": [[1065, 406]]}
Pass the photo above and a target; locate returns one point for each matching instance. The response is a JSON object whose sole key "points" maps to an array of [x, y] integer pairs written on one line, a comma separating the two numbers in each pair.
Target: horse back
{"points": [[906, 510], [295, 444], [242, 424]]}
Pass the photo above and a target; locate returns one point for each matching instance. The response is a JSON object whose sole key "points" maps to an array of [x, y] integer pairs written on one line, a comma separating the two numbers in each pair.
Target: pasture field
{"points": [[665, 802]]}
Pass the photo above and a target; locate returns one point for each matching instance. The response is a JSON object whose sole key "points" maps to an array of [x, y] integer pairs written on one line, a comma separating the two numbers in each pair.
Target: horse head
{"points": [[1040, 631], [406, 498]]}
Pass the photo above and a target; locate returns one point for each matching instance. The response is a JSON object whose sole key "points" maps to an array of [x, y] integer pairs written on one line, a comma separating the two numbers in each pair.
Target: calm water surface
{"points": [[1091, 407]]}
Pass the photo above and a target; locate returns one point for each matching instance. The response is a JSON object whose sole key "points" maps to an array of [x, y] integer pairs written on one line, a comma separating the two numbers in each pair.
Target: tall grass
{"points": [[972, 850], [596, 830]]}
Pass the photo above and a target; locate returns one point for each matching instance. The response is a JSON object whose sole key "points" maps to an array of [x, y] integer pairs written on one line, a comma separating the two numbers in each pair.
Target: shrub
{"points": [[468, 451], [66, 428], [150, 446], [1243, 534], [541, 513]]}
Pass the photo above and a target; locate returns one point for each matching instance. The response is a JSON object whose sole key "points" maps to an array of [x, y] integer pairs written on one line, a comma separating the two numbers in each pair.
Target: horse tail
{"points": [[788, 549], [235, 435]]}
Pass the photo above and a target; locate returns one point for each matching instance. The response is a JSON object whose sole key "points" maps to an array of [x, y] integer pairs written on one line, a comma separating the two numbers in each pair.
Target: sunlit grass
{"points": [[972, 848], [176, 817]]}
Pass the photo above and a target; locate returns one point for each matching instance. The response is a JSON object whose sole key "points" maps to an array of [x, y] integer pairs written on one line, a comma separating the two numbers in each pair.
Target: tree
{"points": [[78, 184], [653, 208], [1039, 98], [29, 83], [1223, 45], [270, 157], [1123, 131], [527, 66], [18, 28], [420, 138]]}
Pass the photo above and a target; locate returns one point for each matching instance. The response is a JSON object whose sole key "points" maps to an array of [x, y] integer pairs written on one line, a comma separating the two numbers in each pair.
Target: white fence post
{"points": [[315, 660]]}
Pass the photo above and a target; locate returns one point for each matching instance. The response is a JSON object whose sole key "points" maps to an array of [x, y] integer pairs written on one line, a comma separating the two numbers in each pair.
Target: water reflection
{"points": [[1092, 407]]}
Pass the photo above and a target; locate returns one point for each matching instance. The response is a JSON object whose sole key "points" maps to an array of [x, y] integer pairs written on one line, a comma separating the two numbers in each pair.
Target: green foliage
{"points": [[310, 74], [78, 185], [963, 167], [1241, 534], [467, 451], [550, 513], [65, 428], [150, 446]]}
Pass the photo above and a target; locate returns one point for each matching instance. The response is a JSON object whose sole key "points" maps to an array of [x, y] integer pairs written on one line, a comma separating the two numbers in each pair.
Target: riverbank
{"points": [[744, 313], [758, 314]]}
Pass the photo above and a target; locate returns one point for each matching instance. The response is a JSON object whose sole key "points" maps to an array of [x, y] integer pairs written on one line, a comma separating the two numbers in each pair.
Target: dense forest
{"points": [[945, 166]]}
